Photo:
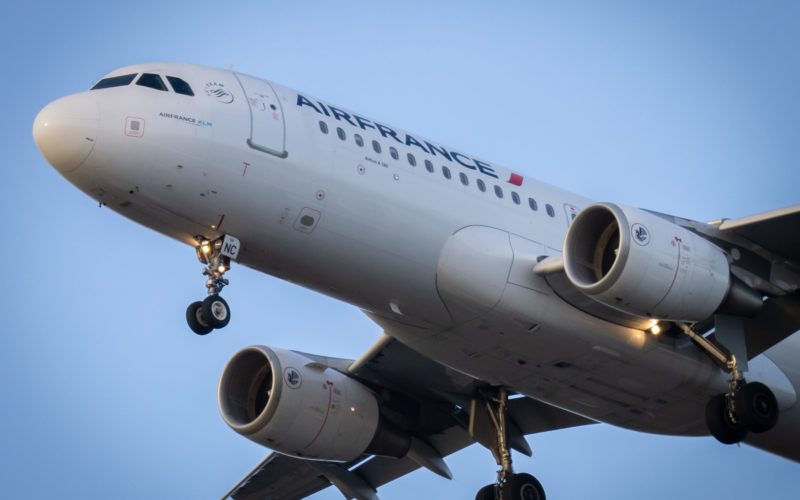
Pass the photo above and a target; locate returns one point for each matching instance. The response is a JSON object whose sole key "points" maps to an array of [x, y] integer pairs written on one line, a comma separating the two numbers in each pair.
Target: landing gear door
{"points": [[267, 132]]}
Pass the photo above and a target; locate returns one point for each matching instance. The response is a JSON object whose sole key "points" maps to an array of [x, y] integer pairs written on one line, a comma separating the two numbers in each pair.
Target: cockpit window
{"points": [[114, 81], [180, 86], [151, 80]]}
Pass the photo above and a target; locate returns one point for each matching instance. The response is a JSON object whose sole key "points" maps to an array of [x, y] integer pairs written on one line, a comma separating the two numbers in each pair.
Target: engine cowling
{"points": [[295, 406], [639, 263]]}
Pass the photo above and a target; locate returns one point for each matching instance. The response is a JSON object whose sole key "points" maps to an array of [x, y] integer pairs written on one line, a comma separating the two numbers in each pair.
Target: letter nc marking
{"points": [[230, 246]]}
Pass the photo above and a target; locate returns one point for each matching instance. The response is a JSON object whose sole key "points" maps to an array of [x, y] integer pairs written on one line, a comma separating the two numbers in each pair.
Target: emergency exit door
{"points": [[267, 131]]}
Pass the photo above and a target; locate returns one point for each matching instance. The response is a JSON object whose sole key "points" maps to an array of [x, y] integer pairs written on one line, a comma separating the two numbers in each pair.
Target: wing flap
{"points": [[775, 230], [779, 319], [279, 477]]}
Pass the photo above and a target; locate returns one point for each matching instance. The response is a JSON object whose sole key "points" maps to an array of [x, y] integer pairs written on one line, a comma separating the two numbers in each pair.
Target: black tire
{"points": [[757, 407], [523, 487], [486, 493], [216, 311], [721, 426], [194, 317]]}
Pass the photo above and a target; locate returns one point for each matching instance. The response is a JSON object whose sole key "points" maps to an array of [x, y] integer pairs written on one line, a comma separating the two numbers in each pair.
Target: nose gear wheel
{"points": [[213, 312]]}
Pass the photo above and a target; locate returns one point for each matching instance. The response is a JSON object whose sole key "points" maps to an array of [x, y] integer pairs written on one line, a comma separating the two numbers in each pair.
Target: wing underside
{"points": [[776, 231], [387, 364]]}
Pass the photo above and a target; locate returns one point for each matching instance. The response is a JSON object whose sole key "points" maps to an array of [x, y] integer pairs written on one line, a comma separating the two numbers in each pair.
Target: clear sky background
{"points": [[691, 108]]}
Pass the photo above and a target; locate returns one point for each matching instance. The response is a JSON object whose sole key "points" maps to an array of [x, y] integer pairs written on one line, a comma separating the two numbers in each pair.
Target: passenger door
{"points": [[267, 131]]}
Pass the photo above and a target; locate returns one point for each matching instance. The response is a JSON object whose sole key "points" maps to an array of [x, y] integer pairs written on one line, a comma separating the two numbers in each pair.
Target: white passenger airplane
{"points": [[509, 306]]}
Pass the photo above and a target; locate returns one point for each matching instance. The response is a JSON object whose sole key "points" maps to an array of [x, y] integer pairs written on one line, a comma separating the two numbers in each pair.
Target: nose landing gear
{"points": [[213, 312]]}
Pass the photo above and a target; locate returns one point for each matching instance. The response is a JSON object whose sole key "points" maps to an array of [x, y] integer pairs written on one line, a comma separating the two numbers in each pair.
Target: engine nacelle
{"points": [[293, 405], [644, 265]]}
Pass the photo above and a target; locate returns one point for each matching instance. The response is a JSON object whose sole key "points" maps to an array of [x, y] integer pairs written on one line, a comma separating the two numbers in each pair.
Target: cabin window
{"points": [[114, 81], [376, 146], [151, 80], [429, 166], [515, 197], [481, 185], [411, 160], [180, 86], [550, 210], [464, 178], [532, 204], [340, 133], [359, 140], [498, 191], [446, 173], [323, 127], [393, 153]]}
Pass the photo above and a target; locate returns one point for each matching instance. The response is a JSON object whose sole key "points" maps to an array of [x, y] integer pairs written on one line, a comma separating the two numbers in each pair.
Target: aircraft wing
{"points": [[390, 364], [775, 236], [777, 231]]}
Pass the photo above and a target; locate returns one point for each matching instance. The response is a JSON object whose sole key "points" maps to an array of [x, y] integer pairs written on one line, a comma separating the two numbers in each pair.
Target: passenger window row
{"points": [[151, 80], [412, 160]]}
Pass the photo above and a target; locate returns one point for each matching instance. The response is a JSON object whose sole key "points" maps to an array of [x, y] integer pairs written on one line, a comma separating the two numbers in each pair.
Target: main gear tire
{"points": [[486, 493], [756, 407], [720, 423], [523, 487]]}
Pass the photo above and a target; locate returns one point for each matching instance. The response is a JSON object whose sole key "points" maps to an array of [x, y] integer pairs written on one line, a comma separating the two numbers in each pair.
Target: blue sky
{"points": [[689, 108]]}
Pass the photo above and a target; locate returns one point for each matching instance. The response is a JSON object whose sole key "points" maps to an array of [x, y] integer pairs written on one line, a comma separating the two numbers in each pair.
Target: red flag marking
{"points": [[515, 179]]}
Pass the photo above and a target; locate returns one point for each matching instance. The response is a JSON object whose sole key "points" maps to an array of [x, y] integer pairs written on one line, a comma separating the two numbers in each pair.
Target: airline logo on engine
{"points": [[640, 234], [292, 378]]}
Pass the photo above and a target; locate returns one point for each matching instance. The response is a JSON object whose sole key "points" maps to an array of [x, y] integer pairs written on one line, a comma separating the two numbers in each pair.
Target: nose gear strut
{"points": [[213, 312]]}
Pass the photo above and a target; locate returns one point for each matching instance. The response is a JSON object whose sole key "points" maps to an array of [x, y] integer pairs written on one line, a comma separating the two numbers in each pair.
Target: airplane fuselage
{"points": [[382, 219]]}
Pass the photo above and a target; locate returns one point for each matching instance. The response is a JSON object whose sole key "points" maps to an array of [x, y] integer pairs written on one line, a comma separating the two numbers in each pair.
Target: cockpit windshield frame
{"points": [[180, 86], [150, 80], [153, 81], [114, 81]]}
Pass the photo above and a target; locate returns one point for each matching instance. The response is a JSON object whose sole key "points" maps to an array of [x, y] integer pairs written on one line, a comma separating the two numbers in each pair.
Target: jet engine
{"points": [[642, 264], [296, 406]]}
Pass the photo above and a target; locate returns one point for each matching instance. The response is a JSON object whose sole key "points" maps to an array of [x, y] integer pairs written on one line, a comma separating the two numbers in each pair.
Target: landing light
{"points": [[205, 248], [222, 269], [655, 329]]}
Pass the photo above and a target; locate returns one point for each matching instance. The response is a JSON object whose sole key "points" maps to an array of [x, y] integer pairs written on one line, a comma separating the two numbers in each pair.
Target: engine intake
{"points": [[289, 403], [639, 263]]}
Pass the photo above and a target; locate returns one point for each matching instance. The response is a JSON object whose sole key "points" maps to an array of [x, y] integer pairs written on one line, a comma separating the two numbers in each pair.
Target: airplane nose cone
{"points": [[65, 131]]}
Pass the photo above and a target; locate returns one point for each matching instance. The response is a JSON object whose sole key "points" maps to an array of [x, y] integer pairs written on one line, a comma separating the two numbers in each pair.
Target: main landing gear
{"points": [[745, 407], [213, 312], [509, 486]]}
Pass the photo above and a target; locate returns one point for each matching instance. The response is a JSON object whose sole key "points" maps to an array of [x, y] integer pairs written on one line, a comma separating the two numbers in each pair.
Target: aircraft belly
{"points": [[472, 272], [517, 333]]}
